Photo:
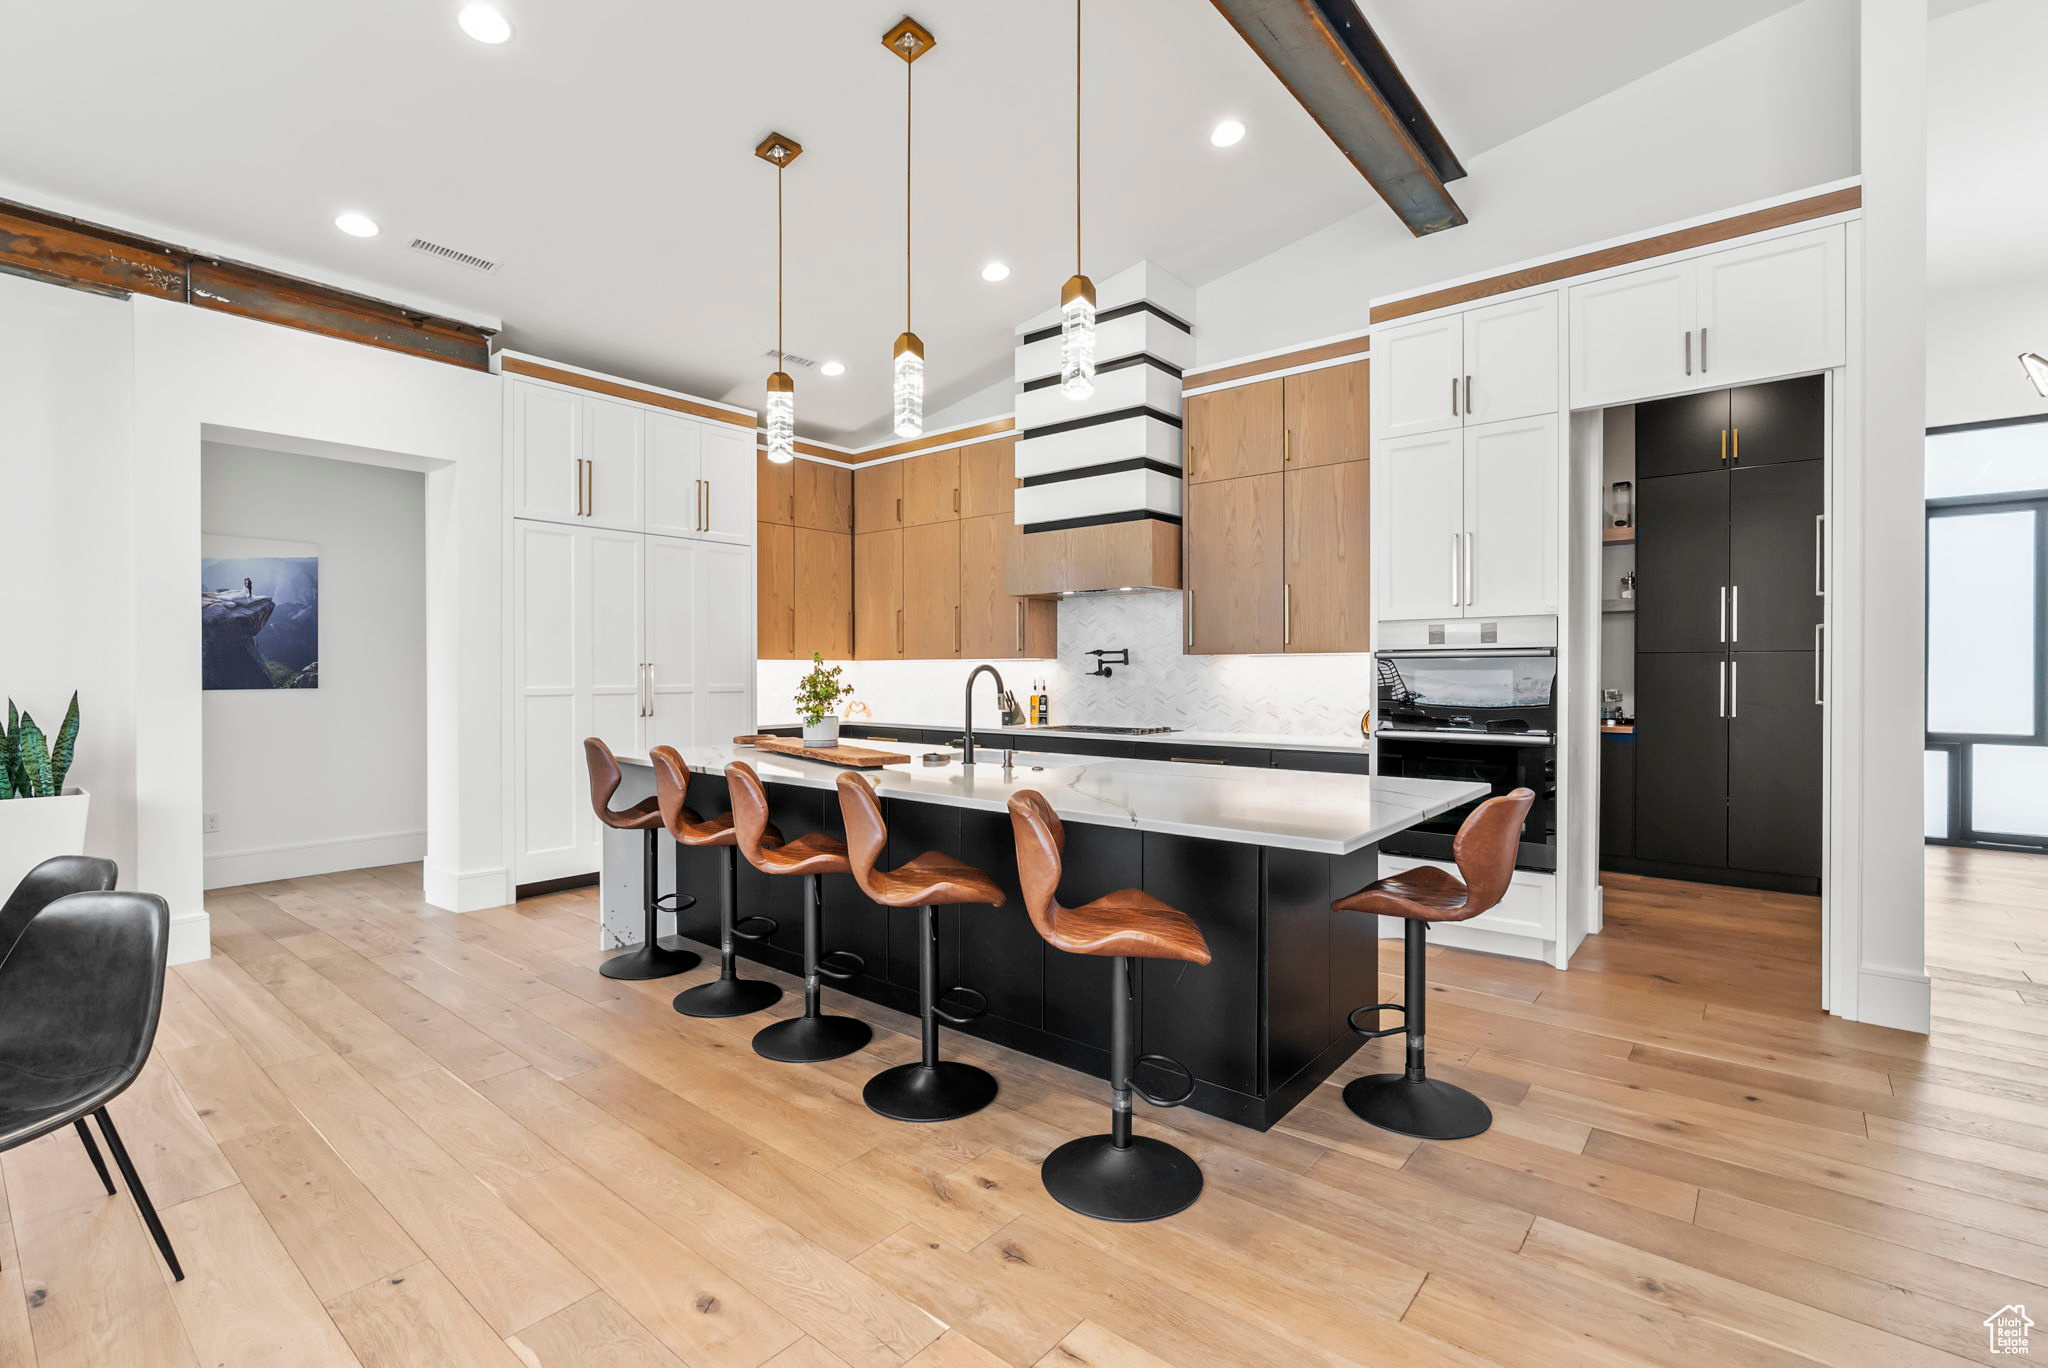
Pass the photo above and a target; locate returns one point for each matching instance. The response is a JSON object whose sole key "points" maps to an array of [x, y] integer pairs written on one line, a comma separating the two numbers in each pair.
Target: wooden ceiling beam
{"points": [[1329, 59]]}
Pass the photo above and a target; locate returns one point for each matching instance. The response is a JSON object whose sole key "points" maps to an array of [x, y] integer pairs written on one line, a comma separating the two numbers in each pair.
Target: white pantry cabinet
{"points": [[1481, 365], [1465, 522], [700, 479], [1756, 312]]}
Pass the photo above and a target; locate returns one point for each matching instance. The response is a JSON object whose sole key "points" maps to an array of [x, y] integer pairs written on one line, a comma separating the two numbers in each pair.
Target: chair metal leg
{"points": [[1121, 1176], [814, 1036], [1411, 1102], [99, 1165], [933, 1089], [653, 957], [139, 1193], [728, 995]]}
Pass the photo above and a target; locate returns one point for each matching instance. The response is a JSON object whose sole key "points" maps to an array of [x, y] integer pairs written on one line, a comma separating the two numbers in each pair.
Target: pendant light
{"points": [[909, 40], [1077, 296], [779, 413]]}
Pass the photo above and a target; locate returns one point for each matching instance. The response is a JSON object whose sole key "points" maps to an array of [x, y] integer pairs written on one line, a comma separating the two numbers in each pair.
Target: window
{"points": [[1986, 766]]}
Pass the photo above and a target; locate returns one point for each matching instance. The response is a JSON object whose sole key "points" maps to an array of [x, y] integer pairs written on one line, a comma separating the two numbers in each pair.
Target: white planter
{"points": [[822, 734], [34, 829]]}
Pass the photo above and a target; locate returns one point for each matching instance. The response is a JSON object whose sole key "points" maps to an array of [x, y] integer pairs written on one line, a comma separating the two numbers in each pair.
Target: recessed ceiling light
{"points": [[357, 225], [1229, 133], [833, 368], [995, 270], [484, 23]]}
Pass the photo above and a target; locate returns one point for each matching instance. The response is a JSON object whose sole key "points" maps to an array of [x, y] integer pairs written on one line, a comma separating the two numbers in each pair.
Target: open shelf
{"points": [[1618, 536], [1617, 605]]}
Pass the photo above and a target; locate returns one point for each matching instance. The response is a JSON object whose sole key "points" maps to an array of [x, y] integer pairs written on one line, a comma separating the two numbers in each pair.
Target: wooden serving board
{"points": [[853, 757]]}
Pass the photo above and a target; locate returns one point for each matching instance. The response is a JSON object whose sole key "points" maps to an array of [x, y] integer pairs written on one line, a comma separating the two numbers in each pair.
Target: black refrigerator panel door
{"points": [[1682, 759], [1778, 423], [1773, 550], [1774, 764], [1617, 795], [1682, 436], [1682, 562]]}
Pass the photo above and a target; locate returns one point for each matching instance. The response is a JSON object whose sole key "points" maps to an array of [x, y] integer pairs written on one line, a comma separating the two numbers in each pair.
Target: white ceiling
{"points": [[1986, 126], [605, 156]]}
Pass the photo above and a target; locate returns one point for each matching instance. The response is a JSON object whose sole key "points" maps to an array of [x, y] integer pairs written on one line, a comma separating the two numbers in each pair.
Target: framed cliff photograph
{"points": [[259, 613]]}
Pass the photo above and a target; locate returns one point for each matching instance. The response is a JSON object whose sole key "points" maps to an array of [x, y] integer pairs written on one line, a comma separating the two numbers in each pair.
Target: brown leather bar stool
{"points": [[654, 957], [1118, 1176], [728, 995], [814, 1036], [932, 1089], [1411, 1102]]}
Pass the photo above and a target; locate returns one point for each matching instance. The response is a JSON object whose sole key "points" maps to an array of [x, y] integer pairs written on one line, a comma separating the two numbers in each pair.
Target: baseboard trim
{"points": [[1902, 1001], [191, 937], [457, 891], [234, 868]]}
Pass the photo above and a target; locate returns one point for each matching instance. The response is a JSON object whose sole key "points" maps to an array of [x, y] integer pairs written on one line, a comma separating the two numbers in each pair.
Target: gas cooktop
{"points": [[1111, 731]]}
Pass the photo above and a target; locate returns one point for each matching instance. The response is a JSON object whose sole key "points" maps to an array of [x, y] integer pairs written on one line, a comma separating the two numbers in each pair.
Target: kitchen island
{"points": [[1254, 856]]}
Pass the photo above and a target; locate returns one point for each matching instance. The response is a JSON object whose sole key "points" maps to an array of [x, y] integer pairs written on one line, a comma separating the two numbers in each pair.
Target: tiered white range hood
{"points": [[1100, 503]]}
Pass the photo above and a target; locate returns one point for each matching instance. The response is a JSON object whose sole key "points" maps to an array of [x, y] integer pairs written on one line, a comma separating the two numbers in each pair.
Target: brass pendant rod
{"points": [[908, 69], [1077, 137], [778, 266]]}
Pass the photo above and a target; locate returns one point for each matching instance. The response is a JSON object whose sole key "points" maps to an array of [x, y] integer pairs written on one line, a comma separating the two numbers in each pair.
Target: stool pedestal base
{"points": [[728, 998], [1425, 1108], [945, 1091], [659, 960], [1149, 1180], [811, 1039]]}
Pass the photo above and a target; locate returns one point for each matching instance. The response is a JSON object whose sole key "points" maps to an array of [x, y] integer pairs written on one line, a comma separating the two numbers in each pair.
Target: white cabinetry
{"points": [[1524, 922], [1480, 366], [1417, 555], [1756, 312], [633, 599], [1465, 522]]}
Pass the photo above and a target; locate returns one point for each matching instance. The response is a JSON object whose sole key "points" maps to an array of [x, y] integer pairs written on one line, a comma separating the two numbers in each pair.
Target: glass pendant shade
{"points": [[780, 415], [909, 386], [1077, 338]]}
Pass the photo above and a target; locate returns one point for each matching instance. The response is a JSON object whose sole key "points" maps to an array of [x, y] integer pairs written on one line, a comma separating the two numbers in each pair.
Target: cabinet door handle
{"points": [[1688, 351], [1190, 610], [1286, 445], [1724, 615], [899, 512], [590, 488], [1819, 650], [579, 486], [1456, 598], [1703, 349], [1020, 627], [1469, 539], [1820, 521], [1286, 613], [1454, 396], [1194, 760], [1734, 445], [1721, 674], [792, 630], [899, 631], [1468, 396], [1724, 446], [956, 629], [1735, 615], [956, 500], [1734, 681]]}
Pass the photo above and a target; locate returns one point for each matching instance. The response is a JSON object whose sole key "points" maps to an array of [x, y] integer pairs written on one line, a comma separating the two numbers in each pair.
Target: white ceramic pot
{"points": [[823, 733], [34, 829]]}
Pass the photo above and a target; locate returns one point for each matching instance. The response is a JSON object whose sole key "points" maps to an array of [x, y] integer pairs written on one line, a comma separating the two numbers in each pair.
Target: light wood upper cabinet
{"points": [[931, 591], [774, 490], [1233, 591], [993, 625], [877, 593], [1232, 433], [988, 478], [1324, 413], [1327, 598], [775, 596], [823, 498], [824, 594], [931, 488], [878, 497]]}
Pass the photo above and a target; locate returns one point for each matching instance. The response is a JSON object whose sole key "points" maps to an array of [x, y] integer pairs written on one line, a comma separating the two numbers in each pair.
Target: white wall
{"points": [[312, 781], [1768, 110], [1974, 338], [65, 412]]}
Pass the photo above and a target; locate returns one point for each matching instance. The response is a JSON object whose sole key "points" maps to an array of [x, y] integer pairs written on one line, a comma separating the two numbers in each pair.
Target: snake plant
{"points": [[31, 767]]}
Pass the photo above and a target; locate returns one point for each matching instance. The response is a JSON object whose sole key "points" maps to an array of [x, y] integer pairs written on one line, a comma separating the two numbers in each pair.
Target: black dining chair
{"points": [[79, 996], [57, 877]]}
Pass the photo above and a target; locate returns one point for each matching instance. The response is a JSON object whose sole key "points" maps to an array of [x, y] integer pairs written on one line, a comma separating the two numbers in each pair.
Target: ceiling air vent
{"points": [[435, 249], [792, 359]]}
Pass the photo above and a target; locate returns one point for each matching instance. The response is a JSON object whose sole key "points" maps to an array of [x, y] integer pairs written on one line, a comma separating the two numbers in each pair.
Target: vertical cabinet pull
{"points": [[1820, 527], [1724, 446], [1721, 675], [1734, 683], [956, 499], [1735, 614], [1189, 610], [1724, 615], [1735, 444], [1456, 599], [1468, 396], [1688, 351], [899, 512], [1469, 539], [1020, 627], [1820, 643], [1454, 396], [590, 488], [1703, 349], [956, 628], [1286, 613], [1286, 445], [899, 631]]}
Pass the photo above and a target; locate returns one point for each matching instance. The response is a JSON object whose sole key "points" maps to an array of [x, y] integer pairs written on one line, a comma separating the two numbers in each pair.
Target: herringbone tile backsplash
{"points": [[1309, 695]]}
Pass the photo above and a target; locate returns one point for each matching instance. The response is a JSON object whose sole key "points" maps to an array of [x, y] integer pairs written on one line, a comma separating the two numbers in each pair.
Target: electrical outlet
{"points": [[213, 824]]}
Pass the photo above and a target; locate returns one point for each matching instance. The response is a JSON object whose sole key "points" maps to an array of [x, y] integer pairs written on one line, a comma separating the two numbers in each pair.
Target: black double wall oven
{"points": [[1480, 716]]}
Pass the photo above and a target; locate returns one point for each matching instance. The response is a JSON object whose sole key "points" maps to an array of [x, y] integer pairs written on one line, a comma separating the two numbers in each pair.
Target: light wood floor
{"points": [[381, 1135]]}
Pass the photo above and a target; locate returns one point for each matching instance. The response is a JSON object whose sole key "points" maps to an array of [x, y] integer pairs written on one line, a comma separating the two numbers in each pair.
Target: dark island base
{"points": [[1259, 1027]]}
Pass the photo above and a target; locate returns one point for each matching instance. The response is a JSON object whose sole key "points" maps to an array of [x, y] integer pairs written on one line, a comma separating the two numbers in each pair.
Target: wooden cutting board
{"points": [[853, 757]]}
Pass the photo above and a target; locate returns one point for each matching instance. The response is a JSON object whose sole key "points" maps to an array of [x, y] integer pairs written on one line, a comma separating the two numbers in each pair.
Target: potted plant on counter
{"points": [[39, 817], [817, 694]]}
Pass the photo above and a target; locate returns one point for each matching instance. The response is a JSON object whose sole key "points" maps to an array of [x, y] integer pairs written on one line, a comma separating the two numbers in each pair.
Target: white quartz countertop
{"points": [[1332, 814], [1351, 743]]}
